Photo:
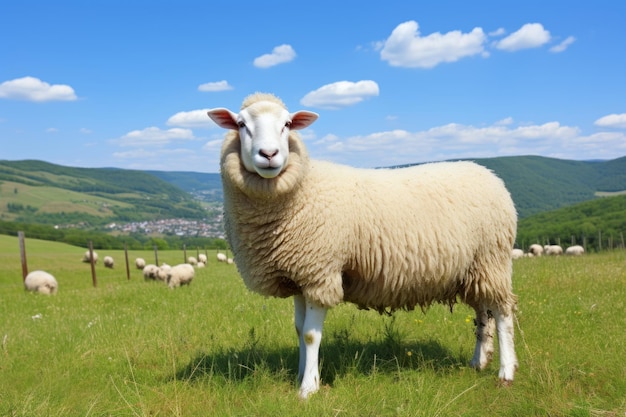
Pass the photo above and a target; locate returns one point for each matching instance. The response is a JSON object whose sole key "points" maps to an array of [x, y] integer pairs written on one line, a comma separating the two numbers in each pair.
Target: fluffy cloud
{"points": [[531, 35], [280, 55], [215, 86], [340, 94], [154, 136], [191, 119], [405, 47], [33, 89], [613, 121], [563, 45]]}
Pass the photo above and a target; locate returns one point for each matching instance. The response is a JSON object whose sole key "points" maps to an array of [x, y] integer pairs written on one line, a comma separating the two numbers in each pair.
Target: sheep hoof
{"points": [[505, 383]]}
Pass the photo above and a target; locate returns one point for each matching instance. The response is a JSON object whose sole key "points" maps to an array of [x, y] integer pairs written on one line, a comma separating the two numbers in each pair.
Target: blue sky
{"points": [[127, 83]]}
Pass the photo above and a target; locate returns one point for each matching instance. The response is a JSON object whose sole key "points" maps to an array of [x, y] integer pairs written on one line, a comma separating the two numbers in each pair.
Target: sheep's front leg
{"points": [[485, 327], [508, 358], [309, 322]]}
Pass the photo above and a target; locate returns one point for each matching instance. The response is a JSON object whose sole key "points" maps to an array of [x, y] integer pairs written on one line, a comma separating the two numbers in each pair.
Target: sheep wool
{"points": [[181, 274], [41, 282], [383, 239]]}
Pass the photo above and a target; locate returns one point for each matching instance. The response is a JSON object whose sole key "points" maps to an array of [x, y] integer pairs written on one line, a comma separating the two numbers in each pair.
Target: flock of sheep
{"points": [[549, 250], [43, 282]]}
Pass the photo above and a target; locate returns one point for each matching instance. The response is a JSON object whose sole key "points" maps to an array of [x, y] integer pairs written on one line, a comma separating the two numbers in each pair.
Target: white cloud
{"points": [[531, 35], [215, 86], [154, 136], [405, 47], [563, 45], [33, 89], [52, 130], [340, 94], [280, 55], [191, 119], [613, 121], [85, 131]]}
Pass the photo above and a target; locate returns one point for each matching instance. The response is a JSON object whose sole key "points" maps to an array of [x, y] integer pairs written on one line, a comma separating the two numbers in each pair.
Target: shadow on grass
{"points": [[339, 355]]}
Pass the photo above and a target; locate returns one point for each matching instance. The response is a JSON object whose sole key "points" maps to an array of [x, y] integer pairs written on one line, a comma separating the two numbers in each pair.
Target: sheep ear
{"points": [[302, 119], [224, 118]]}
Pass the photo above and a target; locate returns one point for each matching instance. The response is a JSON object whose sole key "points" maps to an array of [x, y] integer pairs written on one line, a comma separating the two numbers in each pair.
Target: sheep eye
{"points": [[241, 124], [288, 123]]}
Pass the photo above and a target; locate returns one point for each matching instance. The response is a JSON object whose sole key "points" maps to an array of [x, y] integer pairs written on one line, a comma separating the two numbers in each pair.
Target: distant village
{"points": [[212, 227]]}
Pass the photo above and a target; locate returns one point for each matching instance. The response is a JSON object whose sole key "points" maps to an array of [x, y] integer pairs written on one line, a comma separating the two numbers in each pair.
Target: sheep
{"points": [[108, 262], [41, 282], [179, 275], [202, 258], [221, 257], [535, 250], [553, 250], [517, 253], [575, 250], [383, 239], [140, 263], [200, 264], [87, 258], [150, 272], [163, 272], [191, 260]]}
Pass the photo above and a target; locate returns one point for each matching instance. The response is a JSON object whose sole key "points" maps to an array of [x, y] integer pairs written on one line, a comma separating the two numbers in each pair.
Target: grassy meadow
{"points": [[135, 348]]}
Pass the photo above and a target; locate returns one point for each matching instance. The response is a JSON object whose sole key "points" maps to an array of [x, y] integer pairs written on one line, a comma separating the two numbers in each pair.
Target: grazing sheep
{"points": [[517, 253], [383, 239], [87, 259], [202, 258], [179, 275], [41, 282], [201, 264], [191, 260], [553, 250], [150, 272], [575, 250], [163, 272], [221, 257], [535, 250], [108, 262], [140, 263]]}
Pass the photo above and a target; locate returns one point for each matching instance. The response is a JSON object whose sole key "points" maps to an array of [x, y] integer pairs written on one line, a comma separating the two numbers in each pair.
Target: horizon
{"points": [[122, 85]]}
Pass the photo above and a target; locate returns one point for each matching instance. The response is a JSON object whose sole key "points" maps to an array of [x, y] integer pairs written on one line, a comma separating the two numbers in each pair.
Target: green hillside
{"points": [[598, 224], [40, 192]]}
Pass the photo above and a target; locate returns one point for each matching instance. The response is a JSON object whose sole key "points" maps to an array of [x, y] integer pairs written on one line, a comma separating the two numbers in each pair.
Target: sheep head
{"points": [[263, 127]]}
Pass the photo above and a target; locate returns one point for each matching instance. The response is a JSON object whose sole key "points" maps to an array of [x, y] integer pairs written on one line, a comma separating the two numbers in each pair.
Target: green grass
{"points": [[135, 348]]}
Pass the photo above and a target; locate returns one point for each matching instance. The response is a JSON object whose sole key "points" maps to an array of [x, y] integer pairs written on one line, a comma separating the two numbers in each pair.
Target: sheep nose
{"points": [[268, 154]]}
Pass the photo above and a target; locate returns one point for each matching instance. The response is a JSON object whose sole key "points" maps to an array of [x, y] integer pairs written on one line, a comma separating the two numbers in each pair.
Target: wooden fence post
{"points": [[20, 235], [127, 267], [93, 265]]}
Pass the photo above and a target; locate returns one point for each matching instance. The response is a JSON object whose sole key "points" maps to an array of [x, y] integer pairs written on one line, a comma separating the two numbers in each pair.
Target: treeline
{"points": [[598, 224], [101, 240]]}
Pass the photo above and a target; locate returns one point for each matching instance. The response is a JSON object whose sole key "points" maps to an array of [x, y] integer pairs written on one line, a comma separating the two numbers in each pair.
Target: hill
{"points": [[598, 224], [40, 192]]}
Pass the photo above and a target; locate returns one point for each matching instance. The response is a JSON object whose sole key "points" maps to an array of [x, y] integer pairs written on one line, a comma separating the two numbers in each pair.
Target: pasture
{"points": [[135, 348]]}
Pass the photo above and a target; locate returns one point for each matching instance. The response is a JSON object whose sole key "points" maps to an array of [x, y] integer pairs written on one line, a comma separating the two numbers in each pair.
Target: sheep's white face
{"points": [[264, 133]]}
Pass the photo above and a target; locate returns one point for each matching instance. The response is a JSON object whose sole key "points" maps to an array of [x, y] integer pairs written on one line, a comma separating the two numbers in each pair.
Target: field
{"points": [[135, 348]]}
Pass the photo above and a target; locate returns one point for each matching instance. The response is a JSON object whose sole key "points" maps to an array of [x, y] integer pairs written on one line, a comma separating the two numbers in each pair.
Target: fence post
{"points": [[184, 253], [93, 265], [20, 235], [156, 255], [127, 267]]}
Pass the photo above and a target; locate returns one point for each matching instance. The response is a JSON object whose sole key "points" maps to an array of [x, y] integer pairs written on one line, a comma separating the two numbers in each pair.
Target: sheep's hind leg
{"points": [[310, 336], [485, 327], [508, 358]]}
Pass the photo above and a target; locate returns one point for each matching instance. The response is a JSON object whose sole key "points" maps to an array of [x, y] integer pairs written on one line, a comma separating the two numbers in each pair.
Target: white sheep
{"points": [[535, 249], [221, 257], [163, 272], [179, 275], [191, 260], [41, 282], [553, 250], [150, 272], [140, 263], [517, 253], [87, 259], [108, 262], [575, 250], [200, 264], [202, 258], [384, 239]]}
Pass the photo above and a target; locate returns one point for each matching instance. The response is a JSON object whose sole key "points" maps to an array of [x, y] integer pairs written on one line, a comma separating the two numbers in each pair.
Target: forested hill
{"points": [[43, 192]]}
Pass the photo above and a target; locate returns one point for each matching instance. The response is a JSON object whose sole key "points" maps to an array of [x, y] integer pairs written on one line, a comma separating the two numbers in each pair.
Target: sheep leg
{"points": [[485, 326], [508, 358], [310, 337]]}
